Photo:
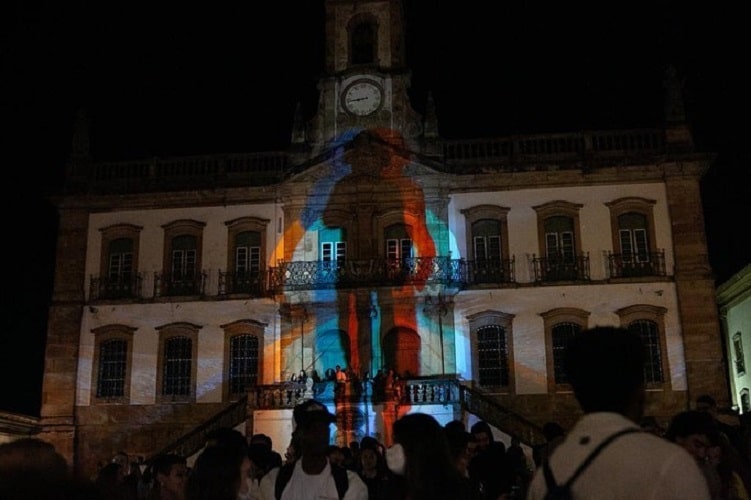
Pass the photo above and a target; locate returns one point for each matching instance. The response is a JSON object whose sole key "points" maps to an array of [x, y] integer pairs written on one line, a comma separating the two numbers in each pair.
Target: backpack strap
{"points": [[341, 480], [285, 473], [550, 479]]}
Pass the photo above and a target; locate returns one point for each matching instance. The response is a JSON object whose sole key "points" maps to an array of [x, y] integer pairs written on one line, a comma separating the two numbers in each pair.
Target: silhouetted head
{"points": [[605, 366]]}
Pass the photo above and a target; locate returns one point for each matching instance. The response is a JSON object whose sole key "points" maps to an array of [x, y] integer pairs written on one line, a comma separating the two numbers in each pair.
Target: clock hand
{"points": [[358, 99]]}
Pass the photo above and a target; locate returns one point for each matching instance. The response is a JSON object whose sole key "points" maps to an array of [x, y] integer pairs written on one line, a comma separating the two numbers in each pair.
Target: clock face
{"points": [[362, 98]]}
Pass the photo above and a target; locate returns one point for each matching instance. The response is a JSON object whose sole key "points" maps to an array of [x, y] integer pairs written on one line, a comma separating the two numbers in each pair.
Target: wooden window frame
{"points": [[552, 318], [505, 322], [235, 329], [103, 334], [655, 314], [166, 332]]}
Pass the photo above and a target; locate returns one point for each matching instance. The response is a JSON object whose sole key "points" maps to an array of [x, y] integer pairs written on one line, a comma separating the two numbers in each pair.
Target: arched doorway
{"points": [[332, 348], [401, 350]]}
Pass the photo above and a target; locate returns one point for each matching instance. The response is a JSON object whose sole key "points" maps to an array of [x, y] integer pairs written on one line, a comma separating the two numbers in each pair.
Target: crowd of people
{"points": [[612, 451]]}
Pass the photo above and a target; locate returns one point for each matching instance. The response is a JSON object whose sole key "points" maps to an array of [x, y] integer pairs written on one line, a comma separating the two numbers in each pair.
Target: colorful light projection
{"points": [[345, 326]]}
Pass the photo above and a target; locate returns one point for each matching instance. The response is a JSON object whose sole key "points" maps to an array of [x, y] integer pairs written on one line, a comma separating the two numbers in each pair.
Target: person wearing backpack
{"points": [[312, 476], [606, 454]]}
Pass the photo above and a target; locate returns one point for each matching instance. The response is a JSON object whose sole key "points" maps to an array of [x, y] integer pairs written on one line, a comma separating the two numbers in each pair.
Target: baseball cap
{"points": [[311, 411]]}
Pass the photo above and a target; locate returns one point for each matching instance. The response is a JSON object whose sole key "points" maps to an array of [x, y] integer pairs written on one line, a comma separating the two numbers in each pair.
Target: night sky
{"points": [[178, 79]]}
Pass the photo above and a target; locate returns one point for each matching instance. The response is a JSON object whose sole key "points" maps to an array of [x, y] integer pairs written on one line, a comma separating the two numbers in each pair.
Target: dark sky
{"points": [[174, 79]]}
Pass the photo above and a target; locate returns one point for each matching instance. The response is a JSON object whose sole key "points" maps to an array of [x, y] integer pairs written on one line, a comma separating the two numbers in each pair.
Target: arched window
{"points": [[650, 336], [560, 325], [113, 346], [363, 43], [492, 348], [243, 363], [176, 375]]}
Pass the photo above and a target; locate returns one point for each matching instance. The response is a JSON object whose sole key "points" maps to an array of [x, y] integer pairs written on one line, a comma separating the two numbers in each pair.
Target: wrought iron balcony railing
{"points": [[490, 272], [169, 285], [553, 269], [253, 283], [126, 286], [631, 265], [373, 272]]}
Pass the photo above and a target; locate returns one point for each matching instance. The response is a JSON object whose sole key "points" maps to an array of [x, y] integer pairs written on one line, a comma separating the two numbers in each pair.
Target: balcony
{"points": [[126, 286], [632, 265], [250, 283], [561, 268], [173, 285], [307, 275], [490, 272]]}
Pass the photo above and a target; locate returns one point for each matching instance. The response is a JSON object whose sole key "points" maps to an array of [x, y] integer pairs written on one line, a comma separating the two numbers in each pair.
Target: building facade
{"points": [[184, 286], [734, 300]]}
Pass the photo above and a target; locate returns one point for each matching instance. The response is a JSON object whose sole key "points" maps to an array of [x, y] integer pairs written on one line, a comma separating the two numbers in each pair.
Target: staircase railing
{"points": [[415, 391], [193, 441], [498, 416]]}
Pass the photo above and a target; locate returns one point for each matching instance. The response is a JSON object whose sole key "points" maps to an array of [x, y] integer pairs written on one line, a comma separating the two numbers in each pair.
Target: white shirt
{"points": [[302, 486], [635, 466]]}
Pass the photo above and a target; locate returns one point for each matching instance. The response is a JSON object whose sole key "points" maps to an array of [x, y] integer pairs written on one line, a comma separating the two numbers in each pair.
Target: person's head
{"points": [[170, 473], [217, 473], [122, 458], [422, 455], [694, 431], [455, 425], [483, 435], [605, 366], [459, 441], [336, 455], [649, 424], [262, 439], [312, 425], [226, 436], [707, 403]]}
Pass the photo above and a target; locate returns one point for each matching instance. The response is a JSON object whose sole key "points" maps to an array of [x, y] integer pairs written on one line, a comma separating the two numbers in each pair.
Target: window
{"points": [[634, 253], [487, 232], [245, 257], [650, 336], [560, 325], [112, 363], [745, 401], [558, 228], [491, 348], [177, 362], [182, 259], [363, 38], [740, 363], [118, 277], [242, 358], [647, 321]]}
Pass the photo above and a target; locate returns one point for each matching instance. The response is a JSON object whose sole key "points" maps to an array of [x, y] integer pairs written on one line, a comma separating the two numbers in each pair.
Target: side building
{"points": [[190, 290]]}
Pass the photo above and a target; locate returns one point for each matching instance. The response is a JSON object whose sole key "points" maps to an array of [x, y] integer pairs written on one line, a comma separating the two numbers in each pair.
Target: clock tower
{"points": [[365, 78]]}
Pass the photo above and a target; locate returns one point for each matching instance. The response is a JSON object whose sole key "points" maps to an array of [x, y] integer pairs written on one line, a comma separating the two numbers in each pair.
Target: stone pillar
{"points": [[63, 332], [702, 337]]}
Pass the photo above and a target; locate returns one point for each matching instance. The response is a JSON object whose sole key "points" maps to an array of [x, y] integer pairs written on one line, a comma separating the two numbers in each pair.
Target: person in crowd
{"points": [[554, 434], [110, 482], [371, 466], [217, 473], [461, 452], [489, 466], [649, 423], [312, 475], [707, 403], [695, 431], [33, 469], [605, 366], [521, 473], [727, 468], [335, 455], [421, 462], [274, 459], [131, 473], [169, 473]]}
